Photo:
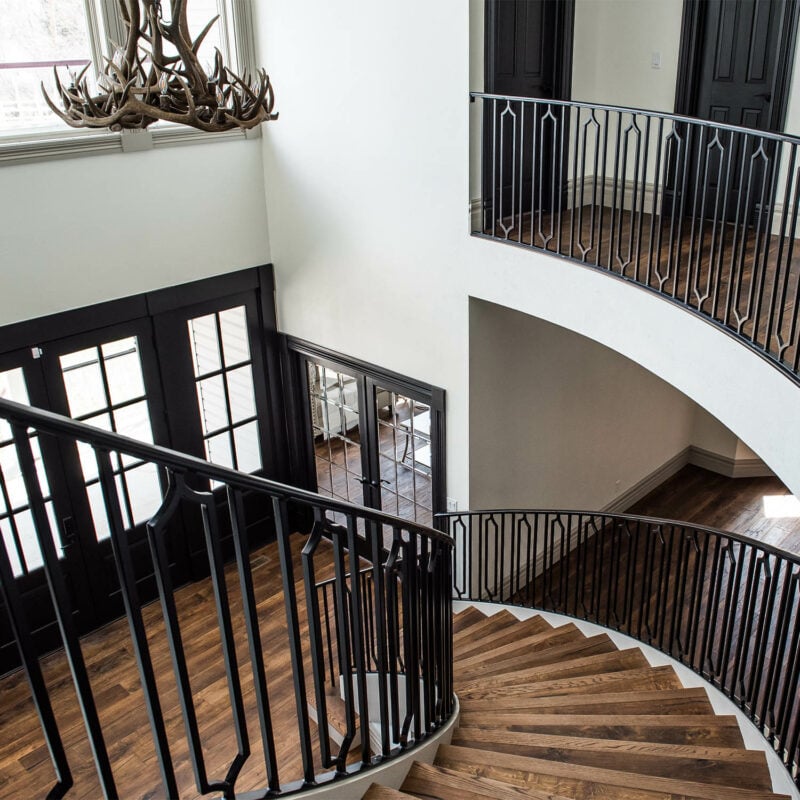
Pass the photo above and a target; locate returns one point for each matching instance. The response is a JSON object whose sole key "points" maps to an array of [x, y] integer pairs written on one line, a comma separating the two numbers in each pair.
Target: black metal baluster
{"points": [[33, 673], [375, 540], [360, 646], [62, 607], [283, 531], [120, 546]]}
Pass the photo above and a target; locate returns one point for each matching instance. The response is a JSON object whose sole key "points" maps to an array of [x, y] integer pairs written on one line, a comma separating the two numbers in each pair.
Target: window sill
{"points": [[50, 145]]}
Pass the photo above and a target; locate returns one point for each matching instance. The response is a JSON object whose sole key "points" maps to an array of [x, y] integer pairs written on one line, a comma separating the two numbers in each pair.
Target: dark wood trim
{"points": [[565, 37], [297, 350], [691, 36], [692, 29], [75, 321], [562, 48]]}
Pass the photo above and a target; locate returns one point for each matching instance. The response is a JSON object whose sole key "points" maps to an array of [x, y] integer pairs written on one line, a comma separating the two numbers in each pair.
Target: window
{"points": [[38, 35]]}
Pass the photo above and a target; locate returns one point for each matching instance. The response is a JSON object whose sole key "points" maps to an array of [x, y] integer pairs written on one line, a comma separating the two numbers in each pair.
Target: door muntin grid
{"points": [[104, 385], [405, 456], [223, 372], [335, 422], [16, 518]]}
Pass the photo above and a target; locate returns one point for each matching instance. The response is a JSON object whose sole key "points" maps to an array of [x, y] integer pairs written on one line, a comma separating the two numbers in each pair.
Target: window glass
{"points": [[35, 36]]}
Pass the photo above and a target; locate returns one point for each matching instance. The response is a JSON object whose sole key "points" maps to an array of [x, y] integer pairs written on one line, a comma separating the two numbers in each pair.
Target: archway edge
{"points": [[732, 382]]}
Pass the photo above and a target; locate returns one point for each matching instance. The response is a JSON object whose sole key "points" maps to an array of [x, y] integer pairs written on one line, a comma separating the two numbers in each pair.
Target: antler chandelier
{"points": [[141, 84]]}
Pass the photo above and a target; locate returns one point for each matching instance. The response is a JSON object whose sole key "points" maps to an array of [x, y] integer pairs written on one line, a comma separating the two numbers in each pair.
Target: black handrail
{"points": [[704, 214], [339, 536], [726, 606]]}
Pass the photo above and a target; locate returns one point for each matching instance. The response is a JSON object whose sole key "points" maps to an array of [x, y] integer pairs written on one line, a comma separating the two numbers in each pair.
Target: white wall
{"points": [[82, 230], [612, 50], [367, 184], [557, 420]]}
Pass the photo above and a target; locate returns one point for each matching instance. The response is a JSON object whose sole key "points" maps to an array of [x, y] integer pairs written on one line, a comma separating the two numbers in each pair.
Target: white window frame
{"points": [[236, 21]]}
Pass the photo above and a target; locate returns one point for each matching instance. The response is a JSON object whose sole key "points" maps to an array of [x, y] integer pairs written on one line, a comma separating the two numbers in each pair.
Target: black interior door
{"points": [[735, 78], [528, 49]]}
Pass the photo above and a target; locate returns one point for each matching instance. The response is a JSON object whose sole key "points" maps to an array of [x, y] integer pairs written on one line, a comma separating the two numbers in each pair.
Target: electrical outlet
{"points": [[452, 505]]}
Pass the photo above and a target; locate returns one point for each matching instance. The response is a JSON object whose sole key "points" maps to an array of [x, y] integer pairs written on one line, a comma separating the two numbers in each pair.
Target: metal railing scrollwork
{"points": [[702, 213]]}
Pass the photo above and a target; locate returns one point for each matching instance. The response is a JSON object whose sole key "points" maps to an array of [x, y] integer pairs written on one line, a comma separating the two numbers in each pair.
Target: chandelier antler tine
{"points": [[141, 85], [201, 38]]}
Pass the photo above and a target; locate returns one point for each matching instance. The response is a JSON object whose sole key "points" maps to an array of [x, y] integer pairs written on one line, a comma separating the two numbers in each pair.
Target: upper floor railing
{"points": [[726, 606], [702, 213], [403, 605]]}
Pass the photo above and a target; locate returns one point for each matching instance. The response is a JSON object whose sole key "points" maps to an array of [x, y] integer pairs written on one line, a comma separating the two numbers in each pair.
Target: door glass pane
{"points": [[404, 446], [16, 519], [108, 379], [333, 398], [225, 388]]}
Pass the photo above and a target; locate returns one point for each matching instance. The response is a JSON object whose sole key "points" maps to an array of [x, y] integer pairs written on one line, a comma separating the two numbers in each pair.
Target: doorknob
{"points": [[69, 535], [764, 96]]}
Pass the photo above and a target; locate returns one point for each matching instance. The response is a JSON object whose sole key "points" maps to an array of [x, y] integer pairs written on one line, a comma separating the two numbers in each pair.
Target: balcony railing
{"points": [[724, 605], [401, 599], [702, 213]]}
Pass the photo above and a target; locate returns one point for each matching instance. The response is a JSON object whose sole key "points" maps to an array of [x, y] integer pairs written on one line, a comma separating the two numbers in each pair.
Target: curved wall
{"points": [[367, 181]]}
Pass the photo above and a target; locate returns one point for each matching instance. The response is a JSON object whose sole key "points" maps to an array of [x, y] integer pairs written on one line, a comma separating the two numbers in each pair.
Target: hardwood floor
{"points": [[737, 275], [697, 495], [25, 769]]}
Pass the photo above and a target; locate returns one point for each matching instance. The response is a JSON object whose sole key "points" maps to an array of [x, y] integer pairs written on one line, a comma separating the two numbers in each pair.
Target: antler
{"points": [[141, 85]]}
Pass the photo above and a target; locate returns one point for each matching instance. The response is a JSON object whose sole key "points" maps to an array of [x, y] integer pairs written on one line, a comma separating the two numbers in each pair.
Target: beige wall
{"points": [[559, 420]]}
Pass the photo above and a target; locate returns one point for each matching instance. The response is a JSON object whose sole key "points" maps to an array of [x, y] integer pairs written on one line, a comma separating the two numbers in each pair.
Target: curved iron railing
{"points": [[724, 605], [702, 213], [336, 537]]}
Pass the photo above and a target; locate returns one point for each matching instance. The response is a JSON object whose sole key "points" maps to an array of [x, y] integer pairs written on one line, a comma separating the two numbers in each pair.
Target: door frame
{"points": [[689, 60], [562, 48], [295, 352]]}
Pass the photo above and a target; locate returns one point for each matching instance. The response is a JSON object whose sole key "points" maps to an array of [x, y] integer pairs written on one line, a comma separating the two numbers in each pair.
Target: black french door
{"points": [[191, 368], [106, 378], [368, 436], [22, 380]]}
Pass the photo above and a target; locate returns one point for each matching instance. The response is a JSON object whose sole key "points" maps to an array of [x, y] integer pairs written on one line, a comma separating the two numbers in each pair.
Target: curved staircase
{"points": [[548, 712]]}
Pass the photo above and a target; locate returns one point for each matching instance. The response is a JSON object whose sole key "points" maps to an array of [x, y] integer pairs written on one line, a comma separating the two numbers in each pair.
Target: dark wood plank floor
{"points": [[25, 770], [738, 275], [697, 495]]}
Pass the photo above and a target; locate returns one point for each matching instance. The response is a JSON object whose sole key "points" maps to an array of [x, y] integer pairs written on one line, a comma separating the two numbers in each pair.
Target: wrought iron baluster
{"points": [[63, 611]]}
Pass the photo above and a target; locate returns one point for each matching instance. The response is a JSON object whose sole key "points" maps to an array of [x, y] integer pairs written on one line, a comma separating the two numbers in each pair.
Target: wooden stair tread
{"points": [[498, 639], [720, 765], [597, 664], [571, 779], [489, 624], [548, 712], [718, 731], [585, 646], [643, 679], [463, 619], [669, 701], [429, 780], [517, 651], [560, 662]]}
